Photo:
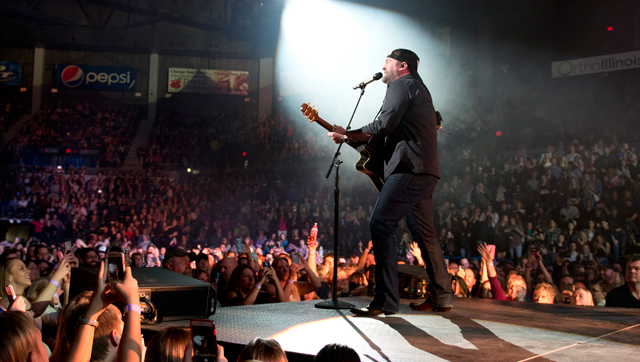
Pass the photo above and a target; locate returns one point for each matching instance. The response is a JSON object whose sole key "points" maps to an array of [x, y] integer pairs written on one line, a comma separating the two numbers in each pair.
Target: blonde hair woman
{"points": [[582, 297]]}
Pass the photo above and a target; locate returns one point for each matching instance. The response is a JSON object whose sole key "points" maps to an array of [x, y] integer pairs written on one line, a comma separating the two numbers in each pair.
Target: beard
{"points": [[187, 272], [390, 76]]}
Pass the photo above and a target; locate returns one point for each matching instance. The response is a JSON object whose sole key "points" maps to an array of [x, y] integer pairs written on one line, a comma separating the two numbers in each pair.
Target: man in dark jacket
{"points": [[409, 125]]}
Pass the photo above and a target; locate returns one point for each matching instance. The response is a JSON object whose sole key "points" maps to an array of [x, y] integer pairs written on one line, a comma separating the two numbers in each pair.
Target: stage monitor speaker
{"points": [[174, 296], [413, 281]]}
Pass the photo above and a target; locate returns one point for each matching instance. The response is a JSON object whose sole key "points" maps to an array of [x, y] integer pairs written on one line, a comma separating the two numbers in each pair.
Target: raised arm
{"points": [[281, 295], [43, 300], [417, 253], [496, 288], [250, 298], [82, 344], [311, 262], [363, 258], [313, 283], [545, 272], [130, 347]]}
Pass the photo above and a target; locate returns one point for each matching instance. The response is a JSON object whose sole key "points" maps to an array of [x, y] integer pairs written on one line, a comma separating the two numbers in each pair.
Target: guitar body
{"points": [[371, 163]]}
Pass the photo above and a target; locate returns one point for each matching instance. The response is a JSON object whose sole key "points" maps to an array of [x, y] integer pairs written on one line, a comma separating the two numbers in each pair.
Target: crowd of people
{"points": [[557, 226], [218, 140], [109, 131], [40, 322]]}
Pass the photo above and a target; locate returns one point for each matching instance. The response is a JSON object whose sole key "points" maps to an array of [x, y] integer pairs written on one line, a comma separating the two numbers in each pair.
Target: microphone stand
{"points": [[334, 303]]}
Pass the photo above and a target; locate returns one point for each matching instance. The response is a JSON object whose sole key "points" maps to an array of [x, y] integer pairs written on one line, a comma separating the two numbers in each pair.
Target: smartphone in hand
{"points": [[205, 344], [11, 294], [492, 250], [115, 264], [295, 258]]}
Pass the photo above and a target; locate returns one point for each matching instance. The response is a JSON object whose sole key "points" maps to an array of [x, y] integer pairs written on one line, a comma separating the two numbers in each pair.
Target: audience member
{"points": [[337, 353], [627, 295], [265, 350]]}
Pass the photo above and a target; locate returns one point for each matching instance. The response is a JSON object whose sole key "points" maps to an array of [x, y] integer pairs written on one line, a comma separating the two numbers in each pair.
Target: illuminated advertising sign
{"points": [[209, 81], [10, 73], [95, 77]]}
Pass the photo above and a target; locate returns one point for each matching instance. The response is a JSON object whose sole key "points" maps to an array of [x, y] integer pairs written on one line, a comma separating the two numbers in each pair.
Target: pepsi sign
{"points": [[95, 77]]}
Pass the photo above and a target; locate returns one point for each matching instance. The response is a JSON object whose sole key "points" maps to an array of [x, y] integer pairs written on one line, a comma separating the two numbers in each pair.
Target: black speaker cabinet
{"points": [[175, 296], [413, 281]]}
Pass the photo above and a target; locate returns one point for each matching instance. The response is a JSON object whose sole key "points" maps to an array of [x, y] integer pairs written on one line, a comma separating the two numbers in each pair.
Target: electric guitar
{"points": [[371, 162]]}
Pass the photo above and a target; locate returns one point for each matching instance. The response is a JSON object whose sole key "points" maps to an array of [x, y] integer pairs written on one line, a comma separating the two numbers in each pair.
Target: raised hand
{"points": [[100, 300], [293, 271], [483, 249], [71, 258], [312, 244], [415, 250], [62, 270], [262, 275], [272, 275], [128, 289], [19, 305], [302, 262]]}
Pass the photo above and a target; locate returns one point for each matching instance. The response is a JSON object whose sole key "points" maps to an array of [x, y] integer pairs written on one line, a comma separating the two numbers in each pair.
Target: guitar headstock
{"points": [[309, 111]]}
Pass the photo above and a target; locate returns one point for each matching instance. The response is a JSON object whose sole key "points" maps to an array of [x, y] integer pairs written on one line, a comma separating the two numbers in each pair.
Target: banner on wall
{"points": [[599, 64], [10, 73], [95, 77], [208, 81]]}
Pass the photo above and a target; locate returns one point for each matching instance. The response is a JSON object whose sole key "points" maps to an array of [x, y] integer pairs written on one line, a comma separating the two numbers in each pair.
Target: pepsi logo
{"points": [[72, 76]]}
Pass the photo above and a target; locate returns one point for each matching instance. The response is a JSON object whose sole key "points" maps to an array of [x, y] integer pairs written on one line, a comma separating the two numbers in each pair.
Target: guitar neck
{"points": [[324, 124]]}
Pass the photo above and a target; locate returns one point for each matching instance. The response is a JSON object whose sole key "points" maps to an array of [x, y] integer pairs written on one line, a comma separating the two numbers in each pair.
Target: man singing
{"points": [[408, 124]]}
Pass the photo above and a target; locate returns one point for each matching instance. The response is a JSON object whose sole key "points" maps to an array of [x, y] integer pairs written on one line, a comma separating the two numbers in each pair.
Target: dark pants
{"points": [[406, 194]]}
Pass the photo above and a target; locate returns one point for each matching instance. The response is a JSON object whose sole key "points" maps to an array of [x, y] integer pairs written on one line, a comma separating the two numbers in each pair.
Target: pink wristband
{"points": [[55, 295], [133, 308], [54, 283], [289, 281], [257, 286]]}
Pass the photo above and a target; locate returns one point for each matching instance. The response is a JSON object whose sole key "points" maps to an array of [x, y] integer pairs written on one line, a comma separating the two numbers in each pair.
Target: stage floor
{"points": [[478, 329]]}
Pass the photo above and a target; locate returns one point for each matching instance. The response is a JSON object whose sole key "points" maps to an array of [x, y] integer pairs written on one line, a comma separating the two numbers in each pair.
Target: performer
{"points": [[408, 124]]}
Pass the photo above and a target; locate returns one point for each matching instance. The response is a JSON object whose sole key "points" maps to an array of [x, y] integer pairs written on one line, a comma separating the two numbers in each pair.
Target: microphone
{"points": [[364, 83]]}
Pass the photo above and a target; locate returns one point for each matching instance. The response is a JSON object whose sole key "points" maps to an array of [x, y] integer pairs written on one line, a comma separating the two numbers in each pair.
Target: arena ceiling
{"points": [[217, 27]]}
